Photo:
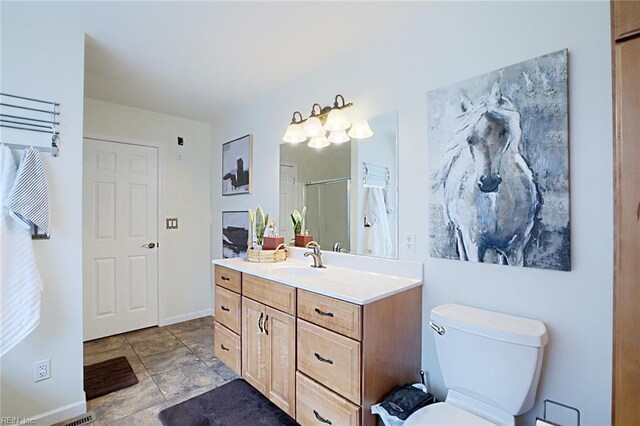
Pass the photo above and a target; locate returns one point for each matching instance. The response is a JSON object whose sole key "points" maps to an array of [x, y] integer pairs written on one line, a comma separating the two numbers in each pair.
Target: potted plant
{"points": [[302, 237], [258, 222]]}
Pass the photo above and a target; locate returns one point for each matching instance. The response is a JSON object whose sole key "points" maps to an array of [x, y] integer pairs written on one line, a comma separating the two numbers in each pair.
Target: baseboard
{"points": [[59, 414], [186, 317]]}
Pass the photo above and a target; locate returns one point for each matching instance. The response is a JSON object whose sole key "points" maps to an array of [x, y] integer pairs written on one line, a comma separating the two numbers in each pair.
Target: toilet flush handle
{"points": [[437, 328]]}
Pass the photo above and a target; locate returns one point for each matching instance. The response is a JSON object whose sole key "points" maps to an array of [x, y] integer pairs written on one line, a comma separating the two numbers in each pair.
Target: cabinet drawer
{"points": [[341, 317], [316, 405], [227, 346], [228, 309], [228, 278], [330, 359], [279, 296]]}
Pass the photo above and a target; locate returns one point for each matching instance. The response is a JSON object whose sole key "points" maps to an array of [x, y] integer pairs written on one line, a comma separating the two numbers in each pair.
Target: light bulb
{"points": [[338, 137], [336, 120], [361, 130], [318, 142], [312, 127], [294, 134]]}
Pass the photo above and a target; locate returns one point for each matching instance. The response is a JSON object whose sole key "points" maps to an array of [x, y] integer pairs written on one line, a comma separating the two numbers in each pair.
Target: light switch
{"points": [[172, 223]]}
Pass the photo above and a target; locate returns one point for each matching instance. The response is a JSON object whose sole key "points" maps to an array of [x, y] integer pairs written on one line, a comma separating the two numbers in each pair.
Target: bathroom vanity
{"points": [[322, 344]]}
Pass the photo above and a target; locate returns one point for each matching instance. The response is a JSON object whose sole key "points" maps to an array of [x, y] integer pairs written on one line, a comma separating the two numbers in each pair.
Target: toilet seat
{"points": [[443, 414]]}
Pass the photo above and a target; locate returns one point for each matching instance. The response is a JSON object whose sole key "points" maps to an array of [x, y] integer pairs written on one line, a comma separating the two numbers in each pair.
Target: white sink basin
{"points": [[296, 271]]}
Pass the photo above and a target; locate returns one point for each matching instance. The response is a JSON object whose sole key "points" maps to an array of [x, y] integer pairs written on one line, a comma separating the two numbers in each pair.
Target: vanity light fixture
{"points": [[331, 119], [338, 137], [360, 130], [318, 142]]}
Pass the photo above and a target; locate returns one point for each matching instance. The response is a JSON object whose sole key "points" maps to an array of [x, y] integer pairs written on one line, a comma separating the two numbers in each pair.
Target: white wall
{"points": [[449, 43], [44, 60], [185, 268]]}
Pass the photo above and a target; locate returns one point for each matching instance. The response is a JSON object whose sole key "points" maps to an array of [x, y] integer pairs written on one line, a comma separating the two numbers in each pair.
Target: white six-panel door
{"points": [[120, 233], [289, 198]]}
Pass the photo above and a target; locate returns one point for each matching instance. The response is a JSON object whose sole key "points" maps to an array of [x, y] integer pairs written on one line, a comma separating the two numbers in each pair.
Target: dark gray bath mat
{"points": [[108, 376], [232, 404]]}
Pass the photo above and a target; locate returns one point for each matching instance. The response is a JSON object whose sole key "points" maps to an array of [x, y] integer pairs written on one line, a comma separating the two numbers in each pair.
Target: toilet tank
{"points": [[488, 356]]}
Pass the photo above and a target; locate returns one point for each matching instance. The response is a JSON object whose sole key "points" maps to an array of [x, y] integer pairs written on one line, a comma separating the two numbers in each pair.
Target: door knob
{"points": [[149, 246]]}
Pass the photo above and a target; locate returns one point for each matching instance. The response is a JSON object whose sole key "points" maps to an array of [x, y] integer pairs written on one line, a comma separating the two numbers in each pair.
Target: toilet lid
{"points": [[443, 414]]}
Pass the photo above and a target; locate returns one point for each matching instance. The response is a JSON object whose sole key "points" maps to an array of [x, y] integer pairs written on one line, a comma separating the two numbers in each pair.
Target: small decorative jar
{"points": [[270, 243], [303, 240]]}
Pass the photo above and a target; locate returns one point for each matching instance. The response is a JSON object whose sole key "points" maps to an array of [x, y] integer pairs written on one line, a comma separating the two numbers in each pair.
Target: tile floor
{"points": [[173, 363]]}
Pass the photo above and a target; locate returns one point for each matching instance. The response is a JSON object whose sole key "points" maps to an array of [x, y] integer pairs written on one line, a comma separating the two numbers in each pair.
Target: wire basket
{"points": [[268, 256]]}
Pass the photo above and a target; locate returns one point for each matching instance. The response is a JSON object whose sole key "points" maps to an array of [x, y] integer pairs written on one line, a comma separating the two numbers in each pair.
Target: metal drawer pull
{"points": [[260, 322], [321, 419], [225, 278], [224, 348], [224, 308], [326, 314], [321, 359], [265, 325], [437, 328]]}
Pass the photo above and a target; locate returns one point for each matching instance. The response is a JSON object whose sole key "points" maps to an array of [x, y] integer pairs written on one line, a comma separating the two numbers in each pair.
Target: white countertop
{"points": [[351, 285]]}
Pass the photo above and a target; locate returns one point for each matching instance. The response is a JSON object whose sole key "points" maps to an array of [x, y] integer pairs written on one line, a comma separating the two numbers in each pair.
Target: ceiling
{"points": [[198, 59]]}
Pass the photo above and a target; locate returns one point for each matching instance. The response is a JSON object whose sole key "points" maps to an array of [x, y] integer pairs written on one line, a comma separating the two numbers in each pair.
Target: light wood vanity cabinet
{"points": [[227, 310], [227, 314], [268, 358], [330, 359], [281, 360], [320, 359], [228, 278], [314, 399], [254, 342], [271, 293], [336, 315]]}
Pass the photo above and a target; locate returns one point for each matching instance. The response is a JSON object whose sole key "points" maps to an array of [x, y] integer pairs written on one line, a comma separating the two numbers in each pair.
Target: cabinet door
{"points": [[626, 355], [281, 347], [254, 344], [626, 18]]}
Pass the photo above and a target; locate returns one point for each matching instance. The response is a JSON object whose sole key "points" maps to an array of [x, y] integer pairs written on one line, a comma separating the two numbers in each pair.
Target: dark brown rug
{"points": [[232, 404], [108, 376]]}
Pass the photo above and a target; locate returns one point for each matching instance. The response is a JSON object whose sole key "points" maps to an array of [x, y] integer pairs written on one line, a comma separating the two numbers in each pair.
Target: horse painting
{"points": [[498, 159], [489, 191]]}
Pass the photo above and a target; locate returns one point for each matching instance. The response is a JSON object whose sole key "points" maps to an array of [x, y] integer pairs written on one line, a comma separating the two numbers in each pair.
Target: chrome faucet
{"points": [[316, 255], [338, 248]]}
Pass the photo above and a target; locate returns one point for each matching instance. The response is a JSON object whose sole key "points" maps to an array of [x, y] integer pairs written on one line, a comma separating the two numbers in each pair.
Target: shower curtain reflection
{"points": [[328, 212]]}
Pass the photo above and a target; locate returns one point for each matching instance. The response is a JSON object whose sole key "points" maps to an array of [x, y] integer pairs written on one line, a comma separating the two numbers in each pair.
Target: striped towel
{"points": [[20, 282], [28, 200]]}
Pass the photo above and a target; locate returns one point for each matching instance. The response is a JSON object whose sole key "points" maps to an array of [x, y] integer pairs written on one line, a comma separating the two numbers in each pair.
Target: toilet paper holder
{"points": [[545, 421]]}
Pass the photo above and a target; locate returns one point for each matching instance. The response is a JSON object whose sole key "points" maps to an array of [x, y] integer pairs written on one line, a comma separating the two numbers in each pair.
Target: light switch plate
{"points": [[172, 223]]}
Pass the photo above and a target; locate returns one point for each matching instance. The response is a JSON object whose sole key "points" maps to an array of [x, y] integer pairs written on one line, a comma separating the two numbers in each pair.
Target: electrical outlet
{"points": [[41, 370], [410, 242]]}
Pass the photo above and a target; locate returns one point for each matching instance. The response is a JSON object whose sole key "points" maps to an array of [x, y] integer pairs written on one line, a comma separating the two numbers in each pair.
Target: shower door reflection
{"points": [[328, 213]]}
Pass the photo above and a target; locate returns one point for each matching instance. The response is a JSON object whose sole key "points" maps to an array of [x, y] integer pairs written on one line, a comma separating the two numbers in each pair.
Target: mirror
{"points": [[350, 191]]}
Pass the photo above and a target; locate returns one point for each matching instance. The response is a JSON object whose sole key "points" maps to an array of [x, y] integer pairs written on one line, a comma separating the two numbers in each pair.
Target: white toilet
{"points": [[490, 363]]}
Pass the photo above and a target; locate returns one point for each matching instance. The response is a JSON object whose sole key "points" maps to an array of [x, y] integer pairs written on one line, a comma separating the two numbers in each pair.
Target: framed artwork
{"points": [[235, 233], [498, 155], [237, 165]]}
